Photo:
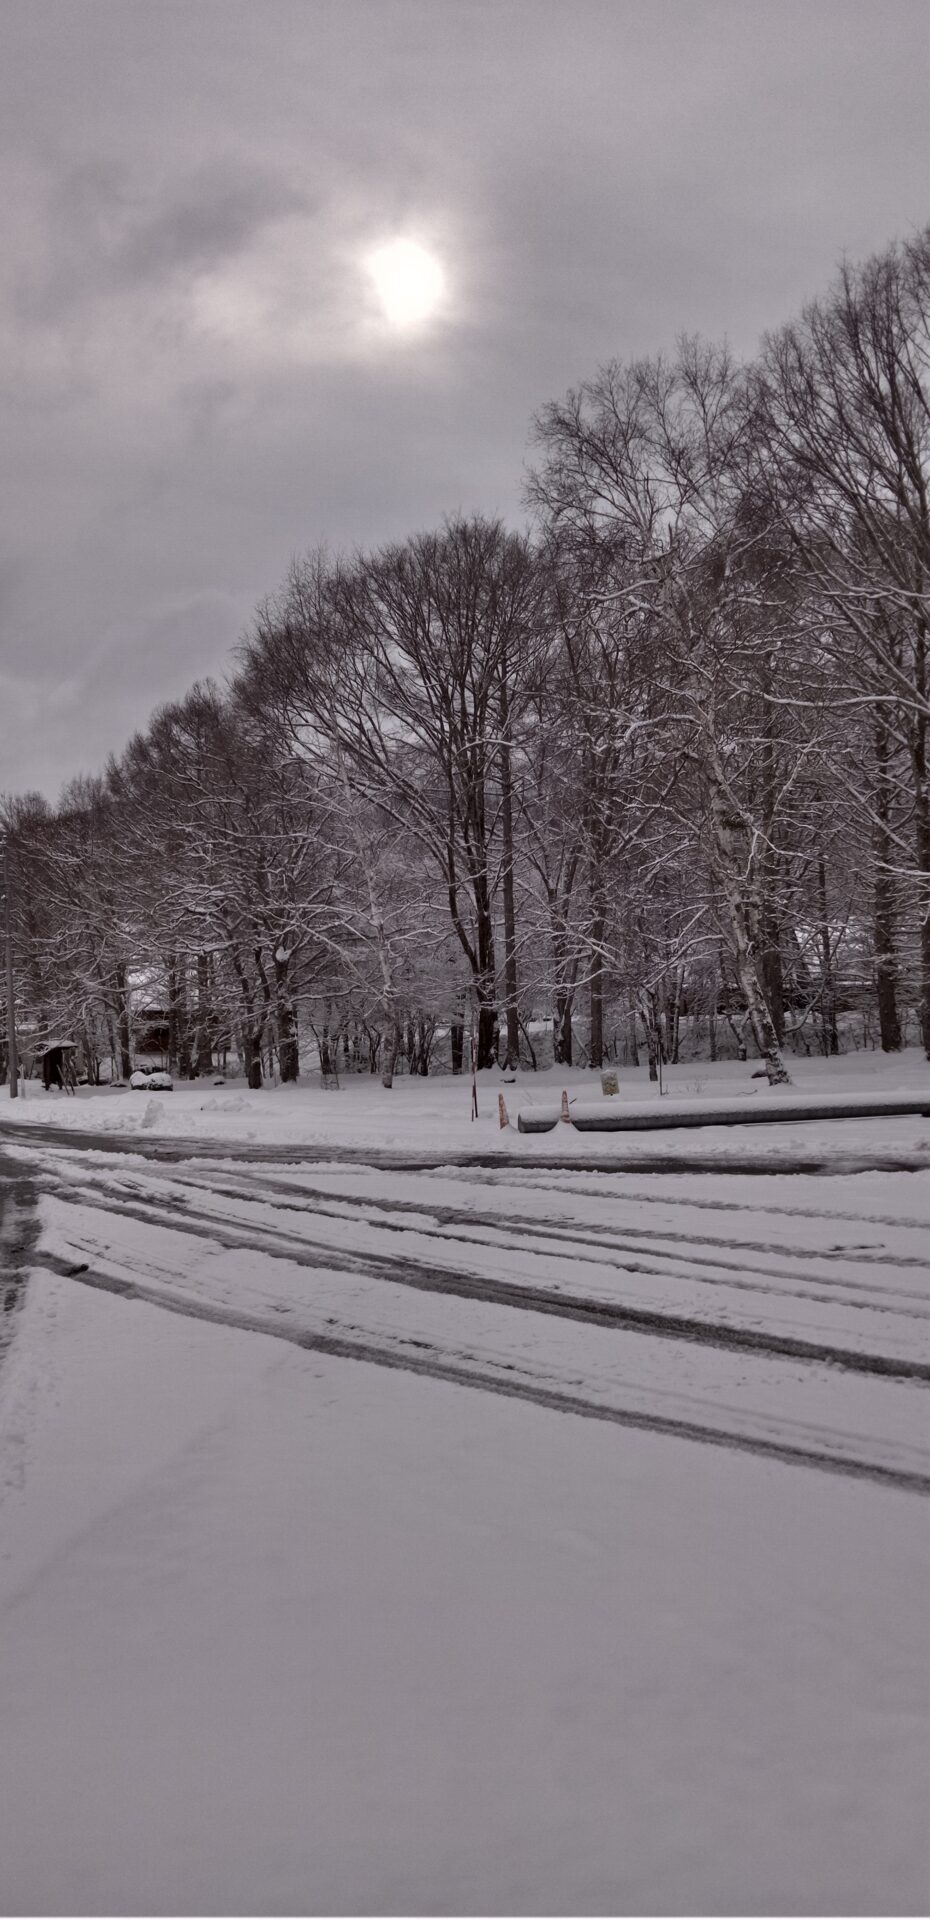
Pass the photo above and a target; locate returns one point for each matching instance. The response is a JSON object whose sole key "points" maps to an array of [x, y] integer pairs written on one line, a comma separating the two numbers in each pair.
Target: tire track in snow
{"points": [[287, 1198], [431, 1366], [404, 1271], [541, 1238], [714, 1205]]}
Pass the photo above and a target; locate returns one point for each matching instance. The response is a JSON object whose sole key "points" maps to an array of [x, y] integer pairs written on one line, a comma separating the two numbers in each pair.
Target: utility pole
{"points": [[10, 992]]}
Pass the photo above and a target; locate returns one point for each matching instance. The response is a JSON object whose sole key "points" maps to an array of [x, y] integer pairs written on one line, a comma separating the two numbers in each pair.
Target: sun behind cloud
{"points": [[409, 282]]}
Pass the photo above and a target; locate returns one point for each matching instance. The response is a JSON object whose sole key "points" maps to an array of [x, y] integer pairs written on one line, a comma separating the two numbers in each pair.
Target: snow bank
{"points": [[434, 1114]]}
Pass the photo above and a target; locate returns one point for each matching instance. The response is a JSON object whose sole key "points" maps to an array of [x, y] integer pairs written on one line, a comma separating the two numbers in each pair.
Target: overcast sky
{"points": [[196, 378]]}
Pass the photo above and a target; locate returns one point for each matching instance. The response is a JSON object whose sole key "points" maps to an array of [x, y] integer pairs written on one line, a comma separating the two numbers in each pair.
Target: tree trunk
{"points": [[647, 1013], [179, 1039], [770, 955], [114, 1053], [742, 920], [596, 1019], [562, 1030], [598, 929], [674, 1016], [652, 1050], [89, 1052], [252, 1058], [760, 1021], [204, 1049], [922, 838], [773, 975], [831, 1040], [485, 987], [510, 921], [487, 1021], [252, 1026], [389, 1046], [886, 970], [286, 1016], [457, 1041], [123, 1020], [424, 1043], [531, 1050]]}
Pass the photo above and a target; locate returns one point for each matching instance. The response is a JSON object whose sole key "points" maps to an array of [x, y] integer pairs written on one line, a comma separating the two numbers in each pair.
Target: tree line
{"points": [[660, 760]]}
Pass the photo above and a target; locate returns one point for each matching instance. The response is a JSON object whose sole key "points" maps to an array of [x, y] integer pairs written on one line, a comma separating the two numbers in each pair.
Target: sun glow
{"points": [[409, 282]]}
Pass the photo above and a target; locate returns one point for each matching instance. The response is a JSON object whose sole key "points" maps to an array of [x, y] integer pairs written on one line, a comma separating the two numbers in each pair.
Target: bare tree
{"points": [[401, 673], [649, 460], [843, 403]]}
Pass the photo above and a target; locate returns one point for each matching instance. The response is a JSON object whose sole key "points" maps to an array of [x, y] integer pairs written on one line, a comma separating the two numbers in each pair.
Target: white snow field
{"points": [[434, 1537], [434, 1113]]}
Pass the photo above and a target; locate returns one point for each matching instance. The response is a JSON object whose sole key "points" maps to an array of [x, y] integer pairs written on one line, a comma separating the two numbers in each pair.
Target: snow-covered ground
{"points": [[449, 1538], [435, 1113]]}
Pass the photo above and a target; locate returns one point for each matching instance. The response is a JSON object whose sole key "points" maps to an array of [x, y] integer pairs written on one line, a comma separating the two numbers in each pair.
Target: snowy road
{"points": [[779, 1314], [282, 1634]]}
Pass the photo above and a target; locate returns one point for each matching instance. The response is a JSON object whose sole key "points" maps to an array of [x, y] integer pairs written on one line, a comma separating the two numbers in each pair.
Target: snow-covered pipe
{"points": [[595, 1118]]}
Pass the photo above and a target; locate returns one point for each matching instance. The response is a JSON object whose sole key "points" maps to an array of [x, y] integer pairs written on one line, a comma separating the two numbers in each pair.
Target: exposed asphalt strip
{"points": [[435, 1369], [401, 1270], [177, 1151]]}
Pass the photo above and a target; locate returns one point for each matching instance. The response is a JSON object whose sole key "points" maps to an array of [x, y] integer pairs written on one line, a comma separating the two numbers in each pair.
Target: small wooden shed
{"points": [[58, 1064]]}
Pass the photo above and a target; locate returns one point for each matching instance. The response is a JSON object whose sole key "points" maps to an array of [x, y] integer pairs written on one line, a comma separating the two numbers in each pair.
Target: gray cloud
{"points": [[211, 219], [192, 385], [104, 237]]}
